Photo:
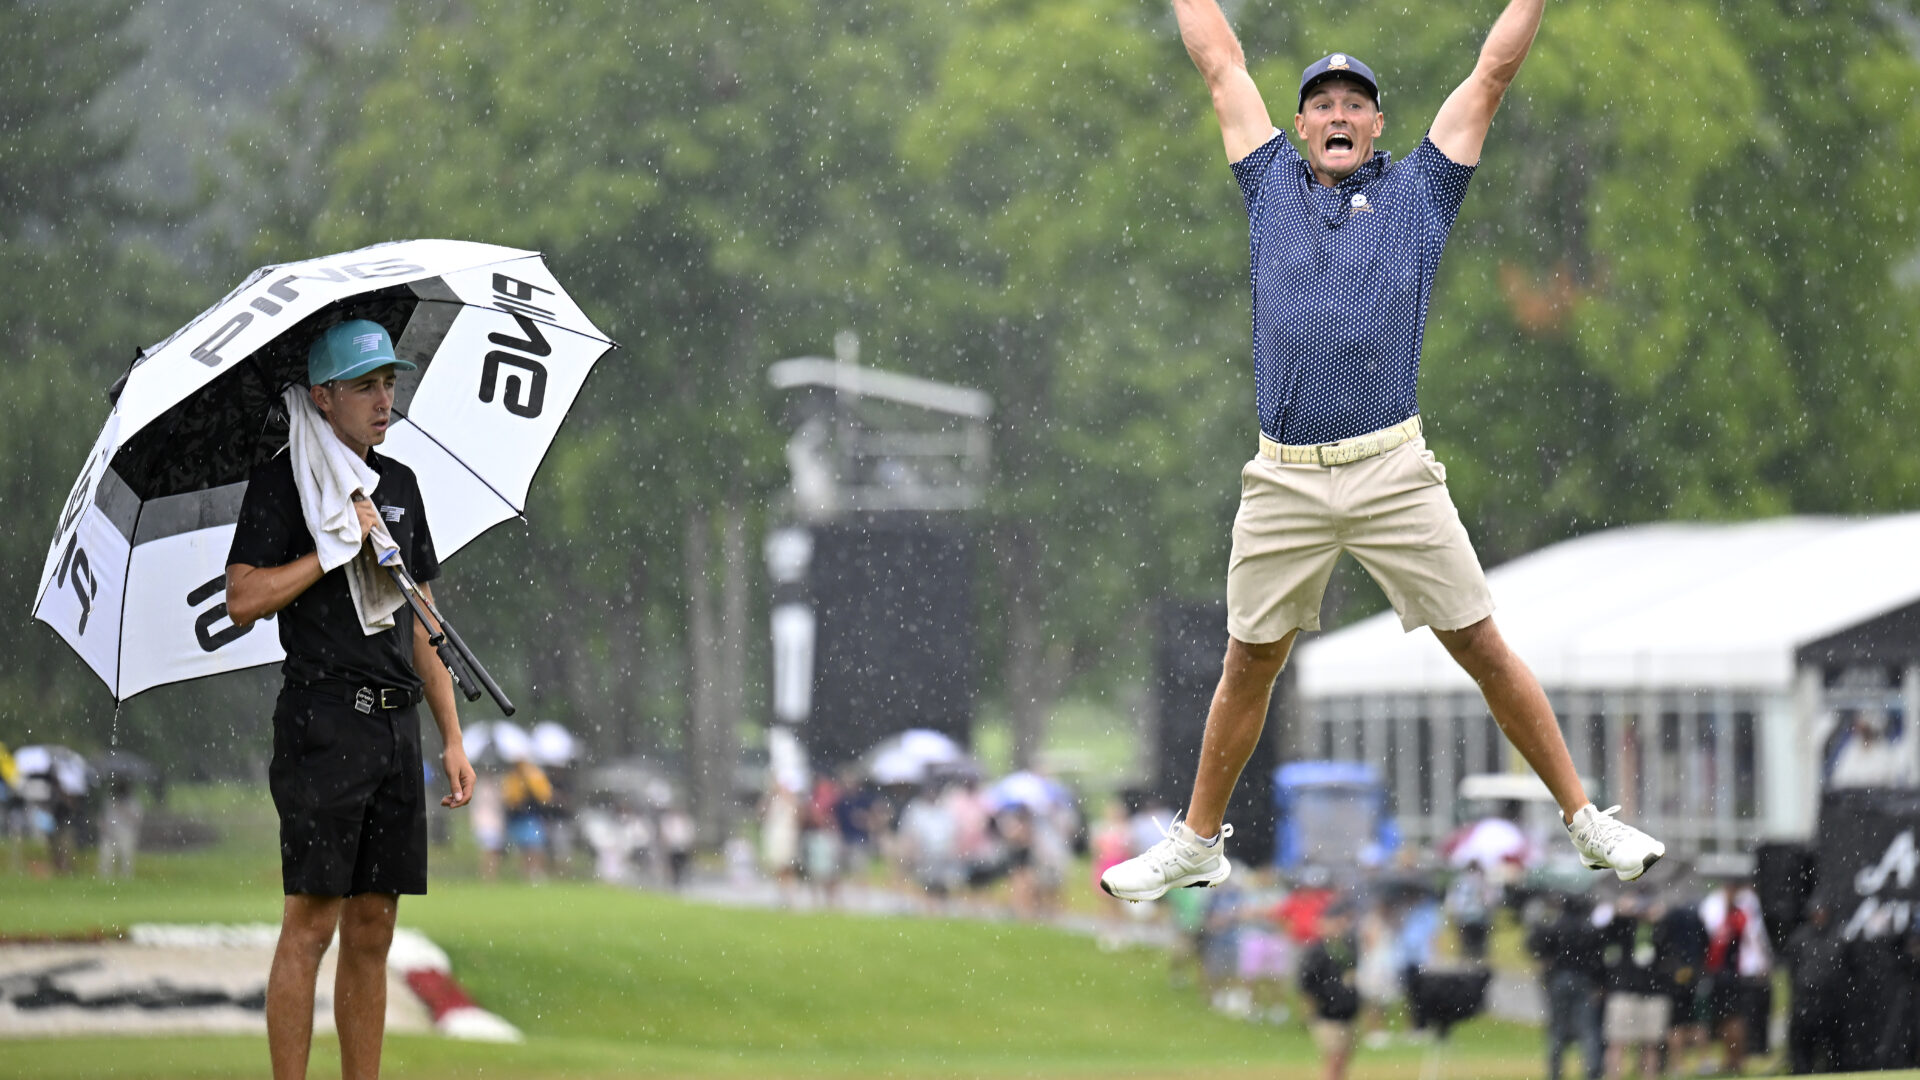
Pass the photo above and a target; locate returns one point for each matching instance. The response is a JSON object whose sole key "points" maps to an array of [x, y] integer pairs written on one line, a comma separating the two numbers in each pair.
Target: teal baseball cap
{"points": [[350, 349]]}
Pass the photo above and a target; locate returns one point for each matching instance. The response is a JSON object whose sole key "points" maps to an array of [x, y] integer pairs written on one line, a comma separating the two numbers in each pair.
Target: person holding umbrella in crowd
{"points": [[346, 775]]}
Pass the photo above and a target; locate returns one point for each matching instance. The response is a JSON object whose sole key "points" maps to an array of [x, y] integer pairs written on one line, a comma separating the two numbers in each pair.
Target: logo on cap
{"points": [[1338, 62], [368, 342]]}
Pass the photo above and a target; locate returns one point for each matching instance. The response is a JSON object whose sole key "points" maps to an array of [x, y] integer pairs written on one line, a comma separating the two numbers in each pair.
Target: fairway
{"points": [[611, 982]]}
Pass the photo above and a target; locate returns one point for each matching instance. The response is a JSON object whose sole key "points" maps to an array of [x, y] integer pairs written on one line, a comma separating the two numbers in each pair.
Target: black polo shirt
{"points": [[319, 629]]}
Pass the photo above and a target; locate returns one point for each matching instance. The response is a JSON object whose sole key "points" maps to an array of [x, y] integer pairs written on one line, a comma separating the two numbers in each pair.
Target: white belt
{"points": [[1345, 451]]}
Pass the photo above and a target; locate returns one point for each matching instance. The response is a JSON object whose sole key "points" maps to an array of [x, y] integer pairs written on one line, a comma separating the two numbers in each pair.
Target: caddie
{"points": [[347, 774]]}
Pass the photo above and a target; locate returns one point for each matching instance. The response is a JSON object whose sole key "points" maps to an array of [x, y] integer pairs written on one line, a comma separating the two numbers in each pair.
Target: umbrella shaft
{"points": [[456, 658]]}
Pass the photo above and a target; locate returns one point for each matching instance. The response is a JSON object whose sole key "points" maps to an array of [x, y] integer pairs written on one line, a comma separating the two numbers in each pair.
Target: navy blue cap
{"points": [[349, 350], [1338, 66]]}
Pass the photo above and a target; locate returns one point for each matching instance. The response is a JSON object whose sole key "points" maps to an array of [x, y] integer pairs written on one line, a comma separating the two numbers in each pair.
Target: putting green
{"points": [[610, 982]]}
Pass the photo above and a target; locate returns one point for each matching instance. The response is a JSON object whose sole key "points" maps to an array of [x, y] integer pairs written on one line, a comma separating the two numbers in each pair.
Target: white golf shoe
{"points": [[1605, 843], [1181, 861]]}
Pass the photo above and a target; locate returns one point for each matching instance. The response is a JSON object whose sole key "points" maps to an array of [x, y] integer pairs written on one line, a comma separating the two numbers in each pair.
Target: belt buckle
{"points": [[393, 699], [1341, 455], [363, 700]]}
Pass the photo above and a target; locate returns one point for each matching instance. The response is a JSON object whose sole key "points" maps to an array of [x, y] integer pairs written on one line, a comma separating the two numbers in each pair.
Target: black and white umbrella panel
{"points": [[135, 578]]}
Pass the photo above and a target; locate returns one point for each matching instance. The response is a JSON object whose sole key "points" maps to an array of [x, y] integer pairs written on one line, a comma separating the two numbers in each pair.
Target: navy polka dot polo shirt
{"points": [[1342, 278]]}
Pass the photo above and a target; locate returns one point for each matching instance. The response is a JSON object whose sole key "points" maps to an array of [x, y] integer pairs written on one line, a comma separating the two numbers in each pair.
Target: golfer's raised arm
{"points": [[1460, 129], [1244, 123]]}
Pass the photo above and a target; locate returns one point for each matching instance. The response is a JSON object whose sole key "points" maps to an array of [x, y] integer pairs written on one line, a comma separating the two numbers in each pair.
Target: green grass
{"points": [[611, 982]]}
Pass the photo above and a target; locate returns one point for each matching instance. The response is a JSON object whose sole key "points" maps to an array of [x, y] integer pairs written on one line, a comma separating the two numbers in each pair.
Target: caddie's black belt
{"points": [[364, 699]]}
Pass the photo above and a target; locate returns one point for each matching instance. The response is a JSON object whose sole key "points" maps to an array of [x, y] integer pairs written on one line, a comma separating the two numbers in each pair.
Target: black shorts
{"points": [[351, 792]]}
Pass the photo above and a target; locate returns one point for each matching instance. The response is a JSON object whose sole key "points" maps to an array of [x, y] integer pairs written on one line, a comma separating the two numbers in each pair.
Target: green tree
{"points": [[76, 304], [1673, 289], [680, 169], [1073, 258]]}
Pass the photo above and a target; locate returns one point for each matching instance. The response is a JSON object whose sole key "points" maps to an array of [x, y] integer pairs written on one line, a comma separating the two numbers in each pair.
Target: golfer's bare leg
{"points": [[306, 928], [1234, 720], [1519, 706], [360, 982]]}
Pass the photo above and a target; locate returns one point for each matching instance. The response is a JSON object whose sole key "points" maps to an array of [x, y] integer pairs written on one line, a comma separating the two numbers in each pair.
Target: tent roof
{"points": [[1664, 606]]}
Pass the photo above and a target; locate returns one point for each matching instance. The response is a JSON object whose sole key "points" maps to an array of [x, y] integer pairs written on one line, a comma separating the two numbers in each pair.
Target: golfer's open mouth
{"points": [[1339, 140]]}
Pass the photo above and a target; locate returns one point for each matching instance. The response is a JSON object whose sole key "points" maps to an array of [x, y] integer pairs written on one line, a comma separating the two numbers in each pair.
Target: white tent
{"points": [[1671, 606], [1699, 622]]}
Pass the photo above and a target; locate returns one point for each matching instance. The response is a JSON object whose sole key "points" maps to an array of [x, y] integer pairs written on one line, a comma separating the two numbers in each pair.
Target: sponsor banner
{"points": [[208, 979], [1869, 861]]}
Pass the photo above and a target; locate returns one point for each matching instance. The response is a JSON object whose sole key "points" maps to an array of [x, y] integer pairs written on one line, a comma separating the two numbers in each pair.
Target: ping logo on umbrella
{"points": [[208, 351], [203, 632], [523, 397]]}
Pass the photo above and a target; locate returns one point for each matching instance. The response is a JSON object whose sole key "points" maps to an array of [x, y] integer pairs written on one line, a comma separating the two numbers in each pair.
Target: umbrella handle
{"points": [[453, 651]]}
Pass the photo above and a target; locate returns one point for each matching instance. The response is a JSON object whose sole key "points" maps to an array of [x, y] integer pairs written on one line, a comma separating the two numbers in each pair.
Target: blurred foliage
{"points": [[52, 169], [1684, 283]]}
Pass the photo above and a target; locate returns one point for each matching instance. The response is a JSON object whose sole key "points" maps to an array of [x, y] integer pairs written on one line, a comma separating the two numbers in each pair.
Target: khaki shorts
{"points": [[1636, 1018], [1332, 1037], [1392, 511]]}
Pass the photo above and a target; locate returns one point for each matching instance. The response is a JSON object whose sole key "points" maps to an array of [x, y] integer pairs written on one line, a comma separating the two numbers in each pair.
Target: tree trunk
{"points": [[1036, 667], [586, 682], [732, 644], [709, 773]]}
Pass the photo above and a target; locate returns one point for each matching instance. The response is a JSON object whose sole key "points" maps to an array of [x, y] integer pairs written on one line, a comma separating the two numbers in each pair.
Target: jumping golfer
{"points": [[347, 774], [1344, 250]]}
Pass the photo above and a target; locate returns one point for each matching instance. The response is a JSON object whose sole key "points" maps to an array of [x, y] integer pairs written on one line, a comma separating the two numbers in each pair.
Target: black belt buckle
{"points": [[385, 698]]}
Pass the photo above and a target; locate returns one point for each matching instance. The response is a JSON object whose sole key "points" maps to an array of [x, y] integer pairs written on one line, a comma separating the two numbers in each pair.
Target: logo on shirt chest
{"points": [[393, 513], [1360, 203]]}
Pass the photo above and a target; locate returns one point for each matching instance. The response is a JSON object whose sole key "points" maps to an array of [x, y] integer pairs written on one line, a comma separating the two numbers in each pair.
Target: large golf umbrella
{"points": [[915, 756], [511, 742], [136, 578], [553, 744], [1029, 789], [1489, 842], [58, 764]]}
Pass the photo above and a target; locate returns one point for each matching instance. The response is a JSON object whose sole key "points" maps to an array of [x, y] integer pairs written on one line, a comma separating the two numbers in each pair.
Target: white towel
{"points": [[328, 475]]}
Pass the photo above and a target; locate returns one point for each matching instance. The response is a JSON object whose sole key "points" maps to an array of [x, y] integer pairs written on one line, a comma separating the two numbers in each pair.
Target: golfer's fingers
{"points": [[462, 786], [368, 516]]}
